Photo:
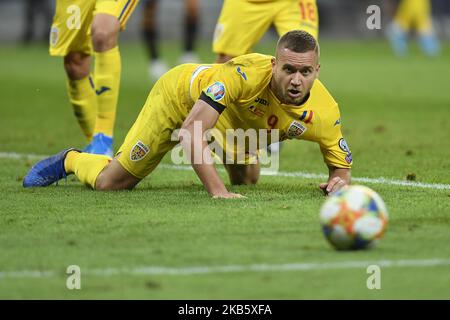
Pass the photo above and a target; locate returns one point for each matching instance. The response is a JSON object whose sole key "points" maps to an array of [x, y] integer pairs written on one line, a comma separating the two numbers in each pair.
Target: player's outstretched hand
{"points": [[228, 195], [332, 186]]}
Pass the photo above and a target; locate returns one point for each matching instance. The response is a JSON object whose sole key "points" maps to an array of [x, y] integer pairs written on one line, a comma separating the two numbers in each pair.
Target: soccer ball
{"points": [[355, 217]]}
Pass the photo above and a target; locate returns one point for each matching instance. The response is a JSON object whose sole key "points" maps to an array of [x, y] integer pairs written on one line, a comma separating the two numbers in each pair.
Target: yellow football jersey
{"points": [[240, 88], [414, 15]]}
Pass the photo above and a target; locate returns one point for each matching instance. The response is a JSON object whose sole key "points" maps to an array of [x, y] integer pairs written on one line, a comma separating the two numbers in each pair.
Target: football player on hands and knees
{"points": [[219, 96]]}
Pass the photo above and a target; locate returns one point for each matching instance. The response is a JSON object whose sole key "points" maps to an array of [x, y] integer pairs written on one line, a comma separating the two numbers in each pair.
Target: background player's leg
{"points": [[399, 28], [81, 90], [157, 67], [190, 32], [424, 24], [105, 30], [222, 58], [240, 26], [243, 173]]}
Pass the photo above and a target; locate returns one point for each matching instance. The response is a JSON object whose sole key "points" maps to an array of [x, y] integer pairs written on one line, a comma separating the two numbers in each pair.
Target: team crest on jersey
{"points": [[54, 35], [216, 91], [139, 151], [296, 129]]}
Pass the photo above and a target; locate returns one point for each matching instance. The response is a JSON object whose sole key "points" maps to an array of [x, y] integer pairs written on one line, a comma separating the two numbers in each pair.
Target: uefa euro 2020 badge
{"points": [[216, 91]]}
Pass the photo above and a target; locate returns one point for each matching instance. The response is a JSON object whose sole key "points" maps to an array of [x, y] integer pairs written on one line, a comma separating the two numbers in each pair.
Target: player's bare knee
{"points": [[115, 177], [104, 182], [104, 40], [253, 179], [243, 179], [104, 34], [222, 58]]}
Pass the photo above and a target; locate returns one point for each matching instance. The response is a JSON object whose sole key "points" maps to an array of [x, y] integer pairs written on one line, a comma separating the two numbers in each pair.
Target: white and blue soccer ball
{"points": [[355, 217]]}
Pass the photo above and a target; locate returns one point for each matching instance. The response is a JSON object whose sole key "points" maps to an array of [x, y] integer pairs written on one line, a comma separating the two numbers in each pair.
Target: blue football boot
{"points": [[429, 44], [47, 171], [100, 144], [398, 38]]}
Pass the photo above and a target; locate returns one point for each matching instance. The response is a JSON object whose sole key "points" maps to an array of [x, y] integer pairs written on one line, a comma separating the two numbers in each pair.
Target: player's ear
{"points": [[274, 62], [317, 70]]}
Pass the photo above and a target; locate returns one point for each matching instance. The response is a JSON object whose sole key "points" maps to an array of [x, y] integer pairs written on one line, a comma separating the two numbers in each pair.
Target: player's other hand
{"points": [[228, 195], [333, 185]]}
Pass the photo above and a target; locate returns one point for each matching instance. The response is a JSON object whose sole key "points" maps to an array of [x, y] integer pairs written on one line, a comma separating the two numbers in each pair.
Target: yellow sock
{"points": [[84, 102], [107, 82], [86, 166]]}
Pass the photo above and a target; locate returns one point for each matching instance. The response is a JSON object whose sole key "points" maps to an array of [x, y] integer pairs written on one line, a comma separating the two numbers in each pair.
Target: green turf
{"points": [[395, 116]]}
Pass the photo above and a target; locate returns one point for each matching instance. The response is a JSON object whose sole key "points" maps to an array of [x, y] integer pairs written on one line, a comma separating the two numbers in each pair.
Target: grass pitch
{"points": [[395, 115]]}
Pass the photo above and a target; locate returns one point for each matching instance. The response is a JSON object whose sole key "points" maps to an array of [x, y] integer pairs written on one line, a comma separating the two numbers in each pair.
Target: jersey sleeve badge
{"points": [[216, 91], [344, 147]]}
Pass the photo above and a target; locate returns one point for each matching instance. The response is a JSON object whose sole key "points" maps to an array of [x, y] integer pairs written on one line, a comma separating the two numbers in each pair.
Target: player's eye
{"points": [[306, 72], [289, 70]]}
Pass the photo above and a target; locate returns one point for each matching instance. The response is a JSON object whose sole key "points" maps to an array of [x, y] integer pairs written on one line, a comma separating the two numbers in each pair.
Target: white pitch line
{"points": [[198, 270], [304, 175]]}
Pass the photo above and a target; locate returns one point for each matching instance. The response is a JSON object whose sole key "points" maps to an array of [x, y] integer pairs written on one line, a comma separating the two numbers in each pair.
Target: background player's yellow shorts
{"points": [[414, 15], [242, 23], [71, 27], [149, 139]]}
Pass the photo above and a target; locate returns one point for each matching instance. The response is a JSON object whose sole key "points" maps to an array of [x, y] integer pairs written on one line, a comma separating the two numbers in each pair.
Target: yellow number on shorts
{"points": [[74, 21]]}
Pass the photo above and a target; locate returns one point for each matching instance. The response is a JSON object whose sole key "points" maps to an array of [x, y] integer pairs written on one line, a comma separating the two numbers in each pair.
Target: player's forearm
{"points": [[342, 173], [208, 175], [199, 154]]}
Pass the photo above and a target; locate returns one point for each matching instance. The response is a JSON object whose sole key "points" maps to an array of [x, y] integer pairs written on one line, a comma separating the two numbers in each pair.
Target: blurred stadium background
{"points": [[338, 19]]}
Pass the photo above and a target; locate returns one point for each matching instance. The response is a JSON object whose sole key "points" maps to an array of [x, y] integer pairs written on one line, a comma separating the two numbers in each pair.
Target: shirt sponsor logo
{"points": [[216, 91], [241, 73], [101, 90], [296, 129], [139, 151], [262, 101]]}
